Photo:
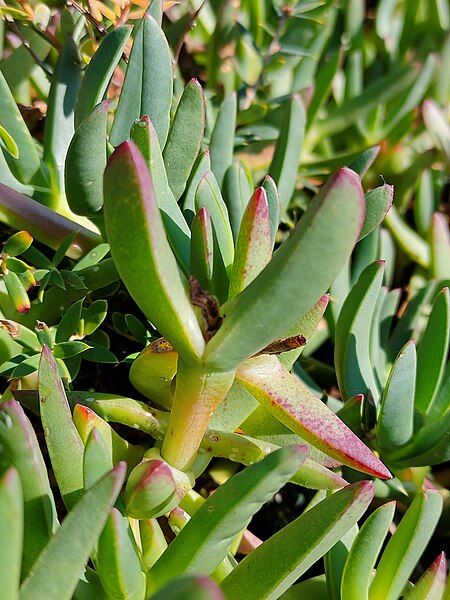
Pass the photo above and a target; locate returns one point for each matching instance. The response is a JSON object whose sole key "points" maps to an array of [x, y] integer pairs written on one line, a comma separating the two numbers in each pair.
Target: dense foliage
{"points": [[225, 314]]}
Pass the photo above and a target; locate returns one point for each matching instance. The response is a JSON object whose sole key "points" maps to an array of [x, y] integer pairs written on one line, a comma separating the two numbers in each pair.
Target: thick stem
{"points": [[198, 392], [20, 212]]}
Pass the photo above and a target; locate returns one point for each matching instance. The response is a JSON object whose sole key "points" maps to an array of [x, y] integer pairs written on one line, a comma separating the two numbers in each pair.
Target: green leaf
{"points": [[305, 327], [154, 280], [201, 167], [17, 243], [405, 546], [205, 540], [153, 541], [28, 164], [283, 168], [408, 240], [59, 124], [396, 419], [93, 316], [66, 554], [236, 194], [295, 276], [118, 449], [17, 292], [382, 90], [378, 203], [21, 451], [99, 72], [11, 532], [432, 352], [289, 401], [7, 141], [144, 135], [69, 322], [147, 89], [440, 247], [85, 163], [64, 445], [411, 317], [208, 196], [362, 164], [357, 574], [352, 338], [97, 460], [334, 561], [185, 137], [69, 349], [273, 200], [190, 587], [253, 245], [221, 144], [117, 562], [431, 585], [202, 248], [92, 258], [21, 334], [275, 565]]}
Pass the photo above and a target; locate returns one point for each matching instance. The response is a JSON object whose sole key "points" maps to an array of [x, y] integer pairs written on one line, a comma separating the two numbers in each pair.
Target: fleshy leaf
{"points": [[287, 152], [67, 553], [431, 585], [396, 419], [352, 339], [99, 72], [440, 247], [357, 574], [254, 243], [405, 546], [202, 248], [85, 163], [205, 540], [21, 451], [64, 445], [274, 566], [294, 278], [145, 260], [147, 89], [11, 532], [144, 135], [236, 193], [286, 398], [432, 352], [185, 137], [117, 561], [378, 202], [221, 145]]}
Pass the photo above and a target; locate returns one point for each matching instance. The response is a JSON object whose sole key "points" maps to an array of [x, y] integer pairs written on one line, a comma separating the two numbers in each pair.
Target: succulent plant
{"points": [[203, 213]]}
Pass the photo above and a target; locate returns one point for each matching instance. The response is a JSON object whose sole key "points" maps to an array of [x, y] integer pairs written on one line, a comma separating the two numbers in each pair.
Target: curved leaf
{"points": [[287, 399], [295, 277], [85, 163], [205, 540], [405, 546], [64, 445], [147, 89], [99, 72], [274, 566], [11, 532], [67, 553], [221, 144], [145, 260], [357, 574], [185, 137]]}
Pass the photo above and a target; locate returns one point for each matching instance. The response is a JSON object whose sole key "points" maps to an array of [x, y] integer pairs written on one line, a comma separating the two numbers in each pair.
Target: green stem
{"points": [[198, 392]]}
